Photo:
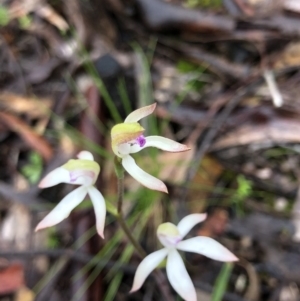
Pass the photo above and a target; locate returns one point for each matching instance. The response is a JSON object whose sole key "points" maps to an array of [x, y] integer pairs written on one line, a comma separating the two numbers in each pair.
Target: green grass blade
{"points": [[124, 96], [113, 287], [91, 70], [222, 282]]}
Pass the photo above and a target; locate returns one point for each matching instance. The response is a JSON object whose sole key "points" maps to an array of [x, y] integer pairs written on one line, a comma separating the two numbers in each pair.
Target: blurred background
{"points": [[225, 76]]}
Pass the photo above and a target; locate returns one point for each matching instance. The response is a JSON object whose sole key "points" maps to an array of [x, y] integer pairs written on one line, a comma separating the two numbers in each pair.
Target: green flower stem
{"points": [[120, 175], [159, 276], [122, 222], [120, 196], [136, 245]]}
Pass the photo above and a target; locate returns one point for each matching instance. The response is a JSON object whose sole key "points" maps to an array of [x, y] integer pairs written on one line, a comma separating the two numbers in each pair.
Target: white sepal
{"points": [[63, 208], [140, 113], [148, 264], [162, 143], [141, 176], [190, 221], [208, 247], [56, 176], [99, 207], [179, 277]]}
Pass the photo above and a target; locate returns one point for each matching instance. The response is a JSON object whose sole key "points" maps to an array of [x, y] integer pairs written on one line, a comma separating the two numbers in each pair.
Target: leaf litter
{"points": [[225, 76]]}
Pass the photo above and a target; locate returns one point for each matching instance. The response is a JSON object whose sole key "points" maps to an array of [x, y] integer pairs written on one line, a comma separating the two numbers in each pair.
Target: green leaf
{"points": [[222, 282], [32, 171], [244, 187]]}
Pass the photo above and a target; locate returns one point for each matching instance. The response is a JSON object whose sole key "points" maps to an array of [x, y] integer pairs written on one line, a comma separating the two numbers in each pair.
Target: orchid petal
{"points": [[188, 222], [123, 149], [208, 247], [85, 155], [124, 133], [179, 277], [56, 176], [140, 113], [63, 209], [82, 172], [161, 143], [100, 208], [148, 264], [141, 176], [168, 235], [82, 177]]}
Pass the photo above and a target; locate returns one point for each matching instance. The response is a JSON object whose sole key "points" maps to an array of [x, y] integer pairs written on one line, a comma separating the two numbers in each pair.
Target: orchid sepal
{"points": [[140, 113], [208, 247], [63, 209], [162, 143], [189, 222], [179, 277], [143, 177], [148, 264]]}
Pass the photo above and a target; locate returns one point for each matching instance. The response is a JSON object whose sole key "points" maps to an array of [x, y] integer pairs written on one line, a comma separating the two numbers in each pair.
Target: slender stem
{"points": [[136, 245], [120, 195], [159, 276], [122, 222]]}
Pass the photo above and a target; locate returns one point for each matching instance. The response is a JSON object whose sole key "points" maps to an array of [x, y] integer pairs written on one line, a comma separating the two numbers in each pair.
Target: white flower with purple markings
{"points": [[83, 171], [127, 138], [171, 238]]}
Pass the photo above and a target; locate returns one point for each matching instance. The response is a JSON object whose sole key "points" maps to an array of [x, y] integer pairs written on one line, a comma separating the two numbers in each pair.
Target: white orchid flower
{"points": [[171, 238], [84, 172], [127, 138]]}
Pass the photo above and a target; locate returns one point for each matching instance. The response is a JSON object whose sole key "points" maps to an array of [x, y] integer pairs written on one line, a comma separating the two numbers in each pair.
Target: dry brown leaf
{"points": [[175, 165], [215, 224], [32, 139], [25, 105], [289, 57], [15, 228], [24, 294], [202, 295], [277, 130], [264, 7], [22, 8], [48, 13], [203, 183], [11, 278]]}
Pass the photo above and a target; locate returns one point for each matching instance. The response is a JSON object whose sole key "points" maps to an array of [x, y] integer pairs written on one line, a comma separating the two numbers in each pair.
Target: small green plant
{"points": [[244, 187], [32, 171], [185, 67], [195, 71], [244, 190]]}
